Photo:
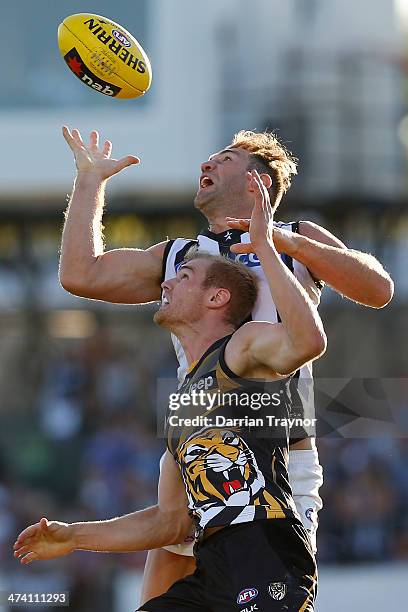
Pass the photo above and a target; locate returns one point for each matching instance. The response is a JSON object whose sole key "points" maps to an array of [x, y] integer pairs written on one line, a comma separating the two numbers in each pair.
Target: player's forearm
{"points": [[82, 239], [143, 530], [297, 312], [358, 276]]}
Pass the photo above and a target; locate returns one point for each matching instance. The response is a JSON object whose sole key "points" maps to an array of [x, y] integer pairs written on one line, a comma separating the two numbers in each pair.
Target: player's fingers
{"points": [[23, 550], [235, 225], [256, 188], [124, 162], [241, 248], [107, 148], [68, 137], [256, 181], [20, 543], [32, 556], [262, 195], [250, 181], [44, 524], [76, 135], [94, 139], [262, 188], [28, 533], [242, 224]]}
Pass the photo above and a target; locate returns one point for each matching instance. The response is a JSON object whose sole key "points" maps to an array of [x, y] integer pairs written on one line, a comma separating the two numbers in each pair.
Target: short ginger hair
{"points": [[225, 273], [268, 155]]}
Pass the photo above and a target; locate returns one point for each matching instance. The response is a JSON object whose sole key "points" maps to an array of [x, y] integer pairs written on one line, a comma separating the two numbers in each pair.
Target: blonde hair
{"points": [[268, 155], [240, 281]]}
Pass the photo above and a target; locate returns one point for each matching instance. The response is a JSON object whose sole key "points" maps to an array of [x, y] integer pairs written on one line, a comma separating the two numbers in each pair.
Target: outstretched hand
{"points": [[92, 158], [44, 540], [261, 225]]}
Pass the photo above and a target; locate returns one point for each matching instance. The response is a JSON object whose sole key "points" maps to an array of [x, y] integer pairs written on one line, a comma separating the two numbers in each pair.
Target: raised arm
{"points": [[356, 275], [263, 348], [153, 527], [128, 276]]}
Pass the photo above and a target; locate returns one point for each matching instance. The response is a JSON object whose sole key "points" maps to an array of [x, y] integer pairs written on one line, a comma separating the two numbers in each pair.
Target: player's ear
{"points": [[266, 179], [219, 298]]}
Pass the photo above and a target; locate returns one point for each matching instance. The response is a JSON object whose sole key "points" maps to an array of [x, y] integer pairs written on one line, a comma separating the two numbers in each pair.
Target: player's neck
{"points": [[218, 228], [217, 223], [197, 338]]}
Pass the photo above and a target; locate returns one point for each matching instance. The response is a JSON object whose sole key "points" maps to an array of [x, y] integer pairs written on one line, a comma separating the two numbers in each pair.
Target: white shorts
{"points": [[305, 478]]}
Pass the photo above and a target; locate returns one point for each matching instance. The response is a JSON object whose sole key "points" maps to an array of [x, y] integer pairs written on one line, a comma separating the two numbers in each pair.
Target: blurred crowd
{"points": [[88, 450]]}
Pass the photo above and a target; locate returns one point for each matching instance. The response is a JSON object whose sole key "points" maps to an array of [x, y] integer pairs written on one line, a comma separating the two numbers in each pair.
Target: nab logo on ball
{"points": [[76, 64], [246, 595], [107, 58]]}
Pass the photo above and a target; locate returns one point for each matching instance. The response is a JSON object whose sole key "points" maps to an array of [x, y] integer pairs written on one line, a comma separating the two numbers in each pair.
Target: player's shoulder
{"points": [[178, 243], [241, 354], [174, 253], [244, 335]]}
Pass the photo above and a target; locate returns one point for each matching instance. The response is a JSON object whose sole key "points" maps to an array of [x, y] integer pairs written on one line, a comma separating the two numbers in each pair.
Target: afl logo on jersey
{"points": [[247, 595], [248, 259]]}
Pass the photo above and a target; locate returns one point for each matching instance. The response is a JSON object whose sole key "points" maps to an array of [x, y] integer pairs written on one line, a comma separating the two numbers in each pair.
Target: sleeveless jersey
{"points": [[265, 309], [233, 460]]}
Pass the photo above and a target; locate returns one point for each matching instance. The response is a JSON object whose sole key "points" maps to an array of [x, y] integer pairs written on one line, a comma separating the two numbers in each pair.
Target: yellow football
{"points": [[104, 56]]}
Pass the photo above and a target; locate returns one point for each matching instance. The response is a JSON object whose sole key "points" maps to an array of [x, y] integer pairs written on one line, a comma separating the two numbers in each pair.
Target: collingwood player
{"points": [[134, 276], [251, 545]]}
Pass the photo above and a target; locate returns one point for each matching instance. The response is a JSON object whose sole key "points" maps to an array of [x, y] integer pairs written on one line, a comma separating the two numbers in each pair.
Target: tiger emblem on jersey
{"points": [[217, 465]]}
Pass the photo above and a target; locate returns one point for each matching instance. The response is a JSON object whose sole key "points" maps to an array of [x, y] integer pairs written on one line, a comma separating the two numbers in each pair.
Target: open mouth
{"points": [[205, 182]]}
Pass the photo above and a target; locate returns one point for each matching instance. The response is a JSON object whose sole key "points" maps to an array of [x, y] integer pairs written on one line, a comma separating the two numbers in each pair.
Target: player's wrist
{"points": [[287, 242], [89, 178], [264, 248], [78, 537]]}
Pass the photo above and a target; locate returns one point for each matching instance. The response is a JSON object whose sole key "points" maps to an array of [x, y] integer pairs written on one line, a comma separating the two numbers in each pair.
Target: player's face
{"points": [[223, 181], [183, 296]]}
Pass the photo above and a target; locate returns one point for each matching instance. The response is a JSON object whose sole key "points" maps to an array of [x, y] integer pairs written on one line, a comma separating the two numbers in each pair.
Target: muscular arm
{"points": [[166, 523], [259, 348], [356, 275], [146, 529], [129, 276], [262, 348]]}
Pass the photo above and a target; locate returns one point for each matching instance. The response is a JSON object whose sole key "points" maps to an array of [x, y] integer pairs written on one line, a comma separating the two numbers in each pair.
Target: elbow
{"points": [[182, 526], [308, 349], [320, 344], [384, 293], [68, 284], [74, 285], [314, 347]]}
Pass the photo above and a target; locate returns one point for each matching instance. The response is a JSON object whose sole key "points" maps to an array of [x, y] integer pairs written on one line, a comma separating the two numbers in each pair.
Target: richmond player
{"points": [[134, 276], [235, 478]]}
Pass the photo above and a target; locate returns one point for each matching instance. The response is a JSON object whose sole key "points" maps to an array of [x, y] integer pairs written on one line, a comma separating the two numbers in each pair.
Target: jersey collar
{"points": [[226, 237], [196, 364]]}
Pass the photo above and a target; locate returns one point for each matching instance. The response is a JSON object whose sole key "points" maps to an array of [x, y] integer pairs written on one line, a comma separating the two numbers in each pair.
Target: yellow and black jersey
{"points": [[265, 309], [229, 437]]}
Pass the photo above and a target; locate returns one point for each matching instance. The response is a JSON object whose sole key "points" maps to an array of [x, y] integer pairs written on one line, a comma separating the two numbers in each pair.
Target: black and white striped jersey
{"points": [[265, 309]]}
